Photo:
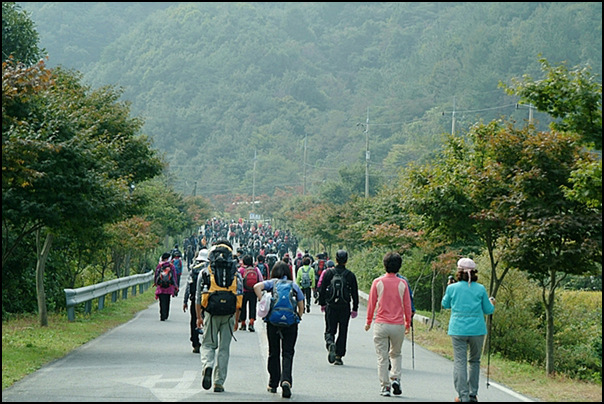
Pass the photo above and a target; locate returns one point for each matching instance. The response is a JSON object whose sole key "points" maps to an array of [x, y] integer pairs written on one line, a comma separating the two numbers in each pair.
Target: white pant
{"points": [[388, 340]]}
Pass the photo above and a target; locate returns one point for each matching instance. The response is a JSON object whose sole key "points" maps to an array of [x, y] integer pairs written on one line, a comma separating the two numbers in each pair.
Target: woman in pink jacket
{"points": [[390, 301]]}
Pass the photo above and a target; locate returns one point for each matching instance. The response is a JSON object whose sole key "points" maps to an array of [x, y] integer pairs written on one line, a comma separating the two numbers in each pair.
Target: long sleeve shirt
{"points": [[389, 300], [469, 303]]}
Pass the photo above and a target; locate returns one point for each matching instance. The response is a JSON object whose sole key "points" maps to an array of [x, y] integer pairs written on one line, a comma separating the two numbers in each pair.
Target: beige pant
{"points": [[217, 337], [388, 340]]}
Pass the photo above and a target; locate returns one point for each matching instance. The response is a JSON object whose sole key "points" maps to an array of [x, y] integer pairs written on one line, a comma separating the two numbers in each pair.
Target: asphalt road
{"points": [[149, 360]]}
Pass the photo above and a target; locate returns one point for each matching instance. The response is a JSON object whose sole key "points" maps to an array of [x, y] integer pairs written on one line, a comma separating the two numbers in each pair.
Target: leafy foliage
{"points": [[216, 81], [19, 37]]}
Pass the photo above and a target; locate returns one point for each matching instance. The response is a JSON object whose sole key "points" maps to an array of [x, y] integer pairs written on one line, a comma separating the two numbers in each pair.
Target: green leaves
{"points": [[575, 97]]}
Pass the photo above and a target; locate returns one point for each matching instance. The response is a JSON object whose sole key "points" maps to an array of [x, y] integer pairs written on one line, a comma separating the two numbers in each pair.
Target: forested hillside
{"points": [[217, 82]]}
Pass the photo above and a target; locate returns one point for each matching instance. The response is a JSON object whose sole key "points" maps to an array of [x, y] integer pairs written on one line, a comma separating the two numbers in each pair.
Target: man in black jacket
{"points": [[338, 289]]}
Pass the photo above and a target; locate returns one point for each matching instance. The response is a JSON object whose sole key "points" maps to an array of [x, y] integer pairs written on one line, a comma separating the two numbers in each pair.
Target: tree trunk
{"points": [[42, 255], [549, 331]]}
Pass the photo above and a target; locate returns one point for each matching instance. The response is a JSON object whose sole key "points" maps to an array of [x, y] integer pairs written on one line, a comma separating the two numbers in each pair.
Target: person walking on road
{"points": [[251, 276], [190, 292], [218, 300], [390, 302], [338, 290], [306, 280], [281, 326], [469, 303], [165, 280]]}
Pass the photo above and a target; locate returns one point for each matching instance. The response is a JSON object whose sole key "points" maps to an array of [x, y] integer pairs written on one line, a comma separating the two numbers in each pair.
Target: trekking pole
{"points": [[412, 345], [489, 349]]}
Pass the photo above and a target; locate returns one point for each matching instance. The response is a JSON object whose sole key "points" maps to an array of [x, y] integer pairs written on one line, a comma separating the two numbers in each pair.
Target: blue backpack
{"points": [[283, 311]]}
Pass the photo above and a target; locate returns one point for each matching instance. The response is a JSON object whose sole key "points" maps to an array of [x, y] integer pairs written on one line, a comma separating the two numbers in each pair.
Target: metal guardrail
{"points": [[100, 290]]}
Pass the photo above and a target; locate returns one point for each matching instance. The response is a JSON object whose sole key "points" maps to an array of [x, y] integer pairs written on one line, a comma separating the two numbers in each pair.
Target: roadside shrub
{"points": [[516, 330]]}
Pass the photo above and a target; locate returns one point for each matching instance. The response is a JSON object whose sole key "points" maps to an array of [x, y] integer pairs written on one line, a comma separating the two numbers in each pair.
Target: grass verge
{"points": [[26, 346], [523, 378]]}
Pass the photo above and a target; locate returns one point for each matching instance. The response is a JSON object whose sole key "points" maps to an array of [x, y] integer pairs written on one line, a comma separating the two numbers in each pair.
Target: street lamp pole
{"points": [[367, 156]]}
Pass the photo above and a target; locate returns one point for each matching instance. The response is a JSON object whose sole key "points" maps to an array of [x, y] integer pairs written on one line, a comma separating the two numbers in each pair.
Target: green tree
{"points": [[551, 236], [69, 155], [574, 97], [19, 36]]}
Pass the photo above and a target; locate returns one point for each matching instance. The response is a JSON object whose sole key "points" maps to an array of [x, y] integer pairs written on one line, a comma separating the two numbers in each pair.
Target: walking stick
{"points": [[412, 345], [489, 349]]}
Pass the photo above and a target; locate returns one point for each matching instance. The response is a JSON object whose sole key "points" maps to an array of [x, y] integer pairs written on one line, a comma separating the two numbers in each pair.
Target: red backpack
{"points": [[321, 266], [250, 278]]}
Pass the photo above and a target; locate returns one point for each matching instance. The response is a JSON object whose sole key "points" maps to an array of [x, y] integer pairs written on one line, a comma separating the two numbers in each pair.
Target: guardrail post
{"points": [[141, 289], [134, 290], [125, 293], [114, 296], [102, 302], [87, 306]]}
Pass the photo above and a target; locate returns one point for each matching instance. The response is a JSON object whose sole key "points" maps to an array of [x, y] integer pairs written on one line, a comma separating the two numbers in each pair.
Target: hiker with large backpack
{"points": [[390, 302], [306, 280], [469, 303], [218, 300], [177, 262], [200, 262], [338, 290], [251, 276], [286, 310], [165, 281]]}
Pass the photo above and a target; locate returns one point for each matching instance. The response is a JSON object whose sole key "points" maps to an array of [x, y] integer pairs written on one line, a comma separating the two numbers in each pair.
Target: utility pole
{"points": [[367, 156], [453, 121], [304, 185], [530, 114], [254, 186], [195, 189]]}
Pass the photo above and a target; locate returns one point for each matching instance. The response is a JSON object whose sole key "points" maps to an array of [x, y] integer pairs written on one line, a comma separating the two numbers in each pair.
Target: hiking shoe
{"points": [[308, 309], [338, 361], [251, 328], [385, 391], [207, 378], [242, 327], [196, 349], [218, 388], [286, 390], [473, 399], [396, 387], [331, 357], [271, 389]]}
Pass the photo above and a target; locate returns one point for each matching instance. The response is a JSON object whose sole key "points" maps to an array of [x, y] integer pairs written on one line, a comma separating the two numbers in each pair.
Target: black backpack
{"points": [[337, 291], [193, 277], [263, 268], [221, 298]]}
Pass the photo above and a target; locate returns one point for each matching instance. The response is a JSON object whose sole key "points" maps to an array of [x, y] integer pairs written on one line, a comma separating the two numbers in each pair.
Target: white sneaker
{"points": [[385, 392]]}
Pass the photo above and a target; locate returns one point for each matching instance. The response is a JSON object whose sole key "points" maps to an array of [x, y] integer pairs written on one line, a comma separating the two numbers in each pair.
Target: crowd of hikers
{"points": [[228, 288]]}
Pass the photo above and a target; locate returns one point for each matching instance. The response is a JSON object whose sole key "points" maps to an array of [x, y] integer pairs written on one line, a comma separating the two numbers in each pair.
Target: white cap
{"points": [[203, 255], [466, 263]]}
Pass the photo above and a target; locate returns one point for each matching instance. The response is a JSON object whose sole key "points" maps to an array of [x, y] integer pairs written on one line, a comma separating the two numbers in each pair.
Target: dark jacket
{"points": [[351, 282]]}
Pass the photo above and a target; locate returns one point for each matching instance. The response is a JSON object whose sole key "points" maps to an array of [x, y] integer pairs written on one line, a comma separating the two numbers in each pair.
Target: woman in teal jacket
{"points": [[469, 303]]}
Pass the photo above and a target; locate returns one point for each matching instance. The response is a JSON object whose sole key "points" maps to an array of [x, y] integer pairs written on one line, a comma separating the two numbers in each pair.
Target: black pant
{"points": [[307, 292], [338, 318], [281, 342], [193, 324], [164, 306], [252, 299]]}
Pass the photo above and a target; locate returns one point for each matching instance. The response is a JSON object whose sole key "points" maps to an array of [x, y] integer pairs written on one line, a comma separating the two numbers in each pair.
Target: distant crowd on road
{"points": [[228, 288]]}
